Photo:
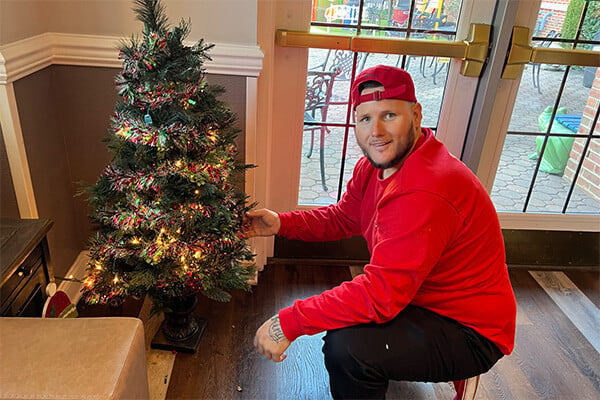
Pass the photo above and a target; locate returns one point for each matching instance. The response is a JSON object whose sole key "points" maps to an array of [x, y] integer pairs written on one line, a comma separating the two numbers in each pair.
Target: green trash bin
{"points": [[557, 151]]}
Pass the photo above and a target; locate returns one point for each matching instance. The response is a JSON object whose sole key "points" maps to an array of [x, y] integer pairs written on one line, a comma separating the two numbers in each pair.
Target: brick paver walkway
{"points": [[515, 169]]}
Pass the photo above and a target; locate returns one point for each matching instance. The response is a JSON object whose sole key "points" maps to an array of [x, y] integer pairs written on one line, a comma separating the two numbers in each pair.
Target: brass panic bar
{"points": [[473, 51], [521, 53], [306, 40], [410, 47], [586, 58]]}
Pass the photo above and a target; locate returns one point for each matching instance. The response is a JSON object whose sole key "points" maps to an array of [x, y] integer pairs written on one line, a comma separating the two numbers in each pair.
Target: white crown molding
{"points": [[21, 58], [24, 57]]}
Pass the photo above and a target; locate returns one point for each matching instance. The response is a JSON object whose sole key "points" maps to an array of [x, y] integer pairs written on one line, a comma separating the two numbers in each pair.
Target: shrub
{"points": [[591, 24]]}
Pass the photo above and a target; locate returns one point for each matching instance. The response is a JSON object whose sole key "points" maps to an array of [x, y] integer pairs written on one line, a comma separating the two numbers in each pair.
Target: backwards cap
{"points": [[396, 82]]}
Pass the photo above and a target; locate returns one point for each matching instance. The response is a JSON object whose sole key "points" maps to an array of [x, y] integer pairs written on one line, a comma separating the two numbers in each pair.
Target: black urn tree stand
{"points": [[181, 330]]}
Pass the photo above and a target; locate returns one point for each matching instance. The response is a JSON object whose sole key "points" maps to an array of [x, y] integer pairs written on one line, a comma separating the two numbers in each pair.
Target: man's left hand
{"points": [[270, 340]]}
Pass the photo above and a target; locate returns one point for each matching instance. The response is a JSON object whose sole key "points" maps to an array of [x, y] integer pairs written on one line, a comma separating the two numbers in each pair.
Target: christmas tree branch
{"points": [[152, 14]]}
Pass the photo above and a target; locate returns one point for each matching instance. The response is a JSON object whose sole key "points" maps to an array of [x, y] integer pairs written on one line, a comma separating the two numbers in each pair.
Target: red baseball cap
{"points": [[396, 82]]}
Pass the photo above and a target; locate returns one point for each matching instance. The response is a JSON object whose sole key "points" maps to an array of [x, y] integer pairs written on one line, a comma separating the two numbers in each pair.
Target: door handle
{"points": [[521, 53]]}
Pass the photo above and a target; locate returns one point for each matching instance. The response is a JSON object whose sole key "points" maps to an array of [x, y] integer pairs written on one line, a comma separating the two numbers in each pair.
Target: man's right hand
{"points": [[261, 222]]}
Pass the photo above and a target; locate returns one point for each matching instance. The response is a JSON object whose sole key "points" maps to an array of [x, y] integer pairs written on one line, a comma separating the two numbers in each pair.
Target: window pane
{"points": [[328, 85], [538, 90], [550, 189], [586, 193], [311, 183], [324, 11], [436, 15], [574, 97], [514, 175]]}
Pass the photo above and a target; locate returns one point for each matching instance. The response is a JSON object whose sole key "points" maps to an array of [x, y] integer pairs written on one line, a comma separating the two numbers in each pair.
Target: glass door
{"points": [[550, 161]]}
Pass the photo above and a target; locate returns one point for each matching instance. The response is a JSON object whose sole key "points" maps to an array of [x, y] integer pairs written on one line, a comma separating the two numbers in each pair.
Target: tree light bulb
{"points": [[196, 191], [178, 163], [135, 241], [116, 280], [123, 131], [162, 230], [197, 254]]}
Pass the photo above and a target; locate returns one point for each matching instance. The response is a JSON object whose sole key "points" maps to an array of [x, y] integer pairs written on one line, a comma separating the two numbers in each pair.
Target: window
{"points": [[329, 149]]}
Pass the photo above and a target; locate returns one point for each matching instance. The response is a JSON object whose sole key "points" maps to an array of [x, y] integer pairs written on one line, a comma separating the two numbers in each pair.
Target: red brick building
{"points": [[589, 176], [551, 16]]}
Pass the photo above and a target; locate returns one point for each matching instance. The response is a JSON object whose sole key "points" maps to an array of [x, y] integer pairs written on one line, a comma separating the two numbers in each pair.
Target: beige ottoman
{"points": [[73, 358]]}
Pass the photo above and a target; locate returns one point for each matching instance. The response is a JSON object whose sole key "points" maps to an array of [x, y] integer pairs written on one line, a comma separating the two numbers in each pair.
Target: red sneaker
{"points": [[466, 388]]}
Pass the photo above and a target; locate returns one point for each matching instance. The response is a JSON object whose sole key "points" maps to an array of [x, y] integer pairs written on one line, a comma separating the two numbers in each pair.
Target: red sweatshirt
{"points": [[435, 242]]}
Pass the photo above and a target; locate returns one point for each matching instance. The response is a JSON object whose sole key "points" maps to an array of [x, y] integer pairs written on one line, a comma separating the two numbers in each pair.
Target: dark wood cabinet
{"points": [[25, 266]]}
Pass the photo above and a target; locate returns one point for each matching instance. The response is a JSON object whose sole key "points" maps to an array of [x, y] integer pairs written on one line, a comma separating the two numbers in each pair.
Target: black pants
{"points": [[417, 345]]}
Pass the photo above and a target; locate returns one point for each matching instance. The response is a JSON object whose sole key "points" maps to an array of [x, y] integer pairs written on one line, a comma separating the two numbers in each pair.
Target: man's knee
{"points": [[346, 348], [351, 372]]}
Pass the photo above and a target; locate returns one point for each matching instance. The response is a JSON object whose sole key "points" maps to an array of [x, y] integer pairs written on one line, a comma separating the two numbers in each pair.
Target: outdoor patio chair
{"points": [[319, 86], [441, 63], [540, 25], [342, 60]]}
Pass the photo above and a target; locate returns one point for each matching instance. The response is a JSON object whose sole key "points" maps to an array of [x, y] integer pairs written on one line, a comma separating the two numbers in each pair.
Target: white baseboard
{"points": [[77, 271]]}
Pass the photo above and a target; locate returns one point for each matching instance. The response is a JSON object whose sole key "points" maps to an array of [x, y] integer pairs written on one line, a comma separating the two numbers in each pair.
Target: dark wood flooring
{"points": [[552, 358]]}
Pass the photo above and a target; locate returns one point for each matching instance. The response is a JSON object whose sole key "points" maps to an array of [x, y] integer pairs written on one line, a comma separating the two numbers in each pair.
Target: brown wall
{"points": [[48, 160], [235, 96], [222, 21], [65, 113], [8, 200]]}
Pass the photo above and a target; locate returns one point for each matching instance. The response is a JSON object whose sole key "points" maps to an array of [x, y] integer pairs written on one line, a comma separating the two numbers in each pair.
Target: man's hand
{"points": [[261, 222], [270, 340]]}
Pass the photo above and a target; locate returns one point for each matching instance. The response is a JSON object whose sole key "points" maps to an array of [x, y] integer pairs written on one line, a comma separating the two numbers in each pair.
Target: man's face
{"points": [[386, 130]]}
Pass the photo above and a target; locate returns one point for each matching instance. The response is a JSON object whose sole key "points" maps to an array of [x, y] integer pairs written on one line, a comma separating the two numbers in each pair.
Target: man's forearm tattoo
{"points": [[275, 332]]}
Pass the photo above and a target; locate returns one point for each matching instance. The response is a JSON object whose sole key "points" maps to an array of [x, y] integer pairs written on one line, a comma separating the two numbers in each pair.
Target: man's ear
{"points": [[417, 115]]}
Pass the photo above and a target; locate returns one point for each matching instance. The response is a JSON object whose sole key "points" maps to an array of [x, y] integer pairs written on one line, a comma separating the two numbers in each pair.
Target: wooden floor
{"points": [[556, 354]]}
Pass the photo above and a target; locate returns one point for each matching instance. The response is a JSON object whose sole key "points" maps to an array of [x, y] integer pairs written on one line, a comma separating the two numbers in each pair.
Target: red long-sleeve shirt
{"points": [[435, 242]]}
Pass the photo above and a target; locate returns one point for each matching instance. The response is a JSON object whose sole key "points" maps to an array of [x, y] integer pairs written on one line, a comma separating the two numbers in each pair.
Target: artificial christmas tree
{"points": [[169, 212]]}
